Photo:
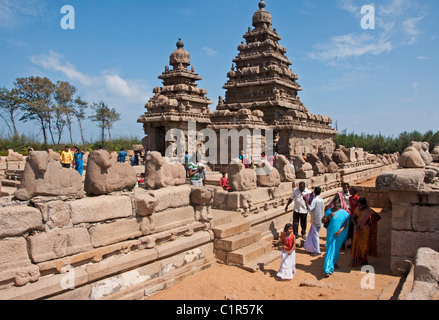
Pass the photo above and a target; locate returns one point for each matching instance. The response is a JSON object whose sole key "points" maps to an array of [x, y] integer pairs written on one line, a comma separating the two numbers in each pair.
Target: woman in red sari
{"points": [[365, 232]]}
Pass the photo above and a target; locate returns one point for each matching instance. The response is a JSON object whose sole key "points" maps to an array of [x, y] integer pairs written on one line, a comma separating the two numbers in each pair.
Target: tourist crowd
{"points": [[346, 218]]}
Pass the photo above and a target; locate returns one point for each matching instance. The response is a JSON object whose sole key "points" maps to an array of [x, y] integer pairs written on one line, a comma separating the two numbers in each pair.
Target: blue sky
{"points": [[383, 80]]}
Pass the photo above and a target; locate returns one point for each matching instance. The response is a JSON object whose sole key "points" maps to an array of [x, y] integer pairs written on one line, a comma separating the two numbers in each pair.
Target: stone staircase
{"points": [[237, 244]]}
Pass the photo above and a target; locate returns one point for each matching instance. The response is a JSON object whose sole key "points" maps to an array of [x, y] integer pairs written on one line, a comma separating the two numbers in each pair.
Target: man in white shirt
{"points": [[312, 243], [300, 209]]}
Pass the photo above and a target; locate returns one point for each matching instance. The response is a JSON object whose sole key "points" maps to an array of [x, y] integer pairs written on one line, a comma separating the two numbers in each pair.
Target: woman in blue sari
{"points": [[79, 161], [336, 234]]}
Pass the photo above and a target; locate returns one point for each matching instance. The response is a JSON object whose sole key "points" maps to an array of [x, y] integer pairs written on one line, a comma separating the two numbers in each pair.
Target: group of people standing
{"points": [[134, 159], [346, 217], [74, 157]]}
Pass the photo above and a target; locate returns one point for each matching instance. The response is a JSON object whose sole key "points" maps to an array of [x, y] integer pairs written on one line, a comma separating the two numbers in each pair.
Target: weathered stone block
{"points": [[231, 229], [55, 213], [96, 209], [406, 243], [13, 253], [351, 154], [109, 233], [425, 218], [237, 241], [427, 266], [47, 286], [170, 219], [182, 244], [120, 264], [61, 243], [172, 197], [13, 166], [219, 197], [403, 180], [16, 220], [201, 196], [304, 174], [401, 217], [145, 203], [259, 195]]}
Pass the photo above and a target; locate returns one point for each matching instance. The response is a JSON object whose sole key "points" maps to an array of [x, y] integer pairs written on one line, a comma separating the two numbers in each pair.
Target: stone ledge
{"points": [[401, 180]]}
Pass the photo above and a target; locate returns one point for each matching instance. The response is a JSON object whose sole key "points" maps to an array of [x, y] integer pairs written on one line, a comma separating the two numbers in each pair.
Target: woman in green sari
{"points": [[336, 234]]}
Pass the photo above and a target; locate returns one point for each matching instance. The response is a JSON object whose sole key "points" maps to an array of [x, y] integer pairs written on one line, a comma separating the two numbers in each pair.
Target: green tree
{"points": [[64, 110], [105, 117], [79, 108], [10, 107], [36, 94]]}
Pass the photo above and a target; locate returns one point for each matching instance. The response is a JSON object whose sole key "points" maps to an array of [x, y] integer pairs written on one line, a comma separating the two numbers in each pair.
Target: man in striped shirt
{"points": [[196, 173]]}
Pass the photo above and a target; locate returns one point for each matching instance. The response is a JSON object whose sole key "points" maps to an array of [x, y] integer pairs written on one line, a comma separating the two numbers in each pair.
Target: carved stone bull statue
{"points": [[160, 173], [241, 179], [285, 169], [44, 176], [105, 175]]}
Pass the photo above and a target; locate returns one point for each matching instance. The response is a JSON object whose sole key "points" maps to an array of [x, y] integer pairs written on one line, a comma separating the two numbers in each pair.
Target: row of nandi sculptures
{"points": [[44, 176]]}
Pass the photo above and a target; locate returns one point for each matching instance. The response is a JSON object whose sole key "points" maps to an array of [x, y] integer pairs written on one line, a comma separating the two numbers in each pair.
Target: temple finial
{"points": [[262, 4], [180, 44]]}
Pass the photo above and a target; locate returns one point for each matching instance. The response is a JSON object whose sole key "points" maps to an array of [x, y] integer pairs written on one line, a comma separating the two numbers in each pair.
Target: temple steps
{"points": [[237, 244]]}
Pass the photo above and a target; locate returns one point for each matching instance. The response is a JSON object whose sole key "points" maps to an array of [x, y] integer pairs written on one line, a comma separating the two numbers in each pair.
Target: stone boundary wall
{"points": [[97, 247], [375, 198], [414, 194], [415, 224]]}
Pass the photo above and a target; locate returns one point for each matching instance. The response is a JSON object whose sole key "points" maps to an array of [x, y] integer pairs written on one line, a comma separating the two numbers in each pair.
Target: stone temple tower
{"points": [[176, 104], [262, 91]]}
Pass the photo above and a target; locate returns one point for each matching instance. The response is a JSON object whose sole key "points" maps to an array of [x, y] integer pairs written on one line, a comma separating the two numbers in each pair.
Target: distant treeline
{"points": [[22, 142], [379, 144], [376, 144], [53, 108]]}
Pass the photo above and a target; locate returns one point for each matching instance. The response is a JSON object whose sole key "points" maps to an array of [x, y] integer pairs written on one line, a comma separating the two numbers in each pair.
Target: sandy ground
{"points": [[223, 282]]}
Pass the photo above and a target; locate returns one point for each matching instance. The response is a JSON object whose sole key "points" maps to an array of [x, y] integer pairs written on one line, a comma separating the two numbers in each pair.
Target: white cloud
{"points": [[350, 45], [209, 51], [53, 62], [15, 12], [108, 85], [422, 58], [397, 24]]}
